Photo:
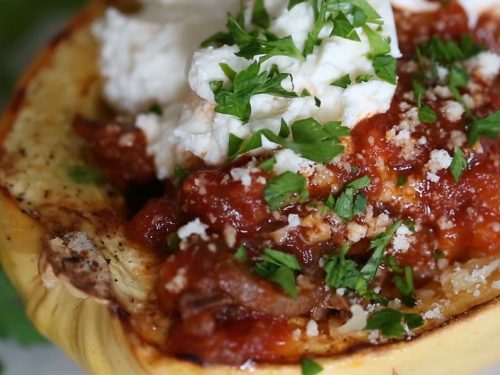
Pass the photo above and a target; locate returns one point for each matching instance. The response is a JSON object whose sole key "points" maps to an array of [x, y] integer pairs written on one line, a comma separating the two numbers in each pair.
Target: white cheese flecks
{"points": [[178, 282], [475, 8], [402, 239], [192, 228], [453, 110], [440, 159], [486, 65], [144, 57], [357, 321], [145, 61], [293, 220], [416, 6], [312, 328]]}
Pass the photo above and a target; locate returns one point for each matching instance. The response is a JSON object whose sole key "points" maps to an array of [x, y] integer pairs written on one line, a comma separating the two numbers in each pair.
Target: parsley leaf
{"points": [[488, 127], [313, 37], [238, 146], [385, 68], [288, 188], [268, 165], [241, 254], [268, 45], [342, 82], [459, 164], [406, 287], [379, 244], [311, 140], [280, 268], [180, 175], [448, 51], [260, 17], [341, 272], [85, 175], [235, 100], [427, 115], [390, 322], [309, 367], [344, 29], [346, 207]]}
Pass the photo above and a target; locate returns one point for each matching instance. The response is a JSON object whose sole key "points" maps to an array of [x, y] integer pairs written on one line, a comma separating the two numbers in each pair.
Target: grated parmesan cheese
{"points": [[195, 227]]}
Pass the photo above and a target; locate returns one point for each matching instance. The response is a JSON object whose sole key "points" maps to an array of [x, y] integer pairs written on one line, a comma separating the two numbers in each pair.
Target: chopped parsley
{"points": [[260, 17], [341, 272], [459, 164], [391, 323], [488, 127], [310, 139], [241, 254], [235, 100], [348, 204], [266, 44], [173, 241], [268, 165], [280, 268], [342, 82], [406, 287], [286, 189], [427, 115], [402, 181], [180, 175], [85, 175], [309, 367], [378, 244]]}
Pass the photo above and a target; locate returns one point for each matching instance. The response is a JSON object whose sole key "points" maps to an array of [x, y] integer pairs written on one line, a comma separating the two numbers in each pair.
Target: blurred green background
{"points": [[25, 26]]}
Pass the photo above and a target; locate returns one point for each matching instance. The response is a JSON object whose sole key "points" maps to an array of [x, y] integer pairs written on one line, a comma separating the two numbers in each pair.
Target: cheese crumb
{"points": [[191, 228], [178, 282], [293, 220], [453, 110], [356, 232], [312, 329], [440, 159]]}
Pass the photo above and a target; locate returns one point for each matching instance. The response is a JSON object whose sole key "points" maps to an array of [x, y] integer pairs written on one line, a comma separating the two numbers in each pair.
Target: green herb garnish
{"points": [[280, 268], [390, 322], [309, 367], [286, 189], [241, 254], [85, 175], [459, 164]]}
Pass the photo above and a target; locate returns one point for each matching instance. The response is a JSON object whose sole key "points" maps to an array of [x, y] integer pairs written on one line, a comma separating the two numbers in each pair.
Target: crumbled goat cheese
{"points": [[293, 220], [440, 159], [434, 314], [486, 65], [403, 239], [244, 175], [356, 232], [143, 57], [178, 282], [470, 280], [230, 234], [457, 139], [416, 6], [289, 161], [453, 110], [474, 8], [444, 223], [312, 328], [357, 321], [191, 228]]}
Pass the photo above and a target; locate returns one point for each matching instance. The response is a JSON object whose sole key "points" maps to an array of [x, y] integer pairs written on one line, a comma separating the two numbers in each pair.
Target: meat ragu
{"points": [[222, 309]]}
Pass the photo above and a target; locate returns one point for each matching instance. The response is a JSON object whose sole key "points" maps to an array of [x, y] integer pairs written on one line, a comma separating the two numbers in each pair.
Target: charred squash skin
{"points": [[99, 337]]}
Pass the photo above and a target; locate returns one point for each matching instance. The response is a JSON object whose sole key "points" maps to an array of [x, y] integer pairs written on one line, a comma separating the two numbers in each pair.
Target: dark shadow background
{"points": [[25, 26]]}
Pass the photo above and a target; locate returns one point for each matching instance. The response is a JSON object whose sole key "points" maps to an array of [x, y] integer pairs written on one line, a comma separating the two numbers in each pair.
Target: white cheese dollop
{"points": [[145, 60]]}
